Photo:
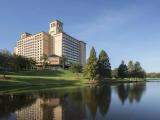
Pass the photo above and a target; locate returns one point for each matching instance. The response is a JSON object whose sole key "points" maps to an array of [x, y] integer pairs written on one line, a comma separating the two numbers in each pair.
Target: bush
{"points": [[76, 68]]}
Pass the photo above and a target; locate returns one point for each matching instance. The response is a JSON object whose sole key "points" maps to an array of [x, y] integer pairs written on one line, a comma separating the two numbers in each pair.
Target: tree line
{"points": [[13, 62], [100, 68], [132, 70], [153, 75]]}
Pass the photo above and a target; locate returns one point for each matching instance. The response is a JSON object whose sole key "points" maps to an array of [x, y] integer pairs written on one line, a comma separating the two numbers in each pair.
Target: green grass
{"points": [[42, 77]]}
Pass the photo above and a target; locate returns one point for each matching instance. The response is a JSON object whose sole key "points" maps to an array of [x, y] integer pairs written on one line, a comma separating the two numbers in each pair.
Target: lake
{"points": [[129, 101]]}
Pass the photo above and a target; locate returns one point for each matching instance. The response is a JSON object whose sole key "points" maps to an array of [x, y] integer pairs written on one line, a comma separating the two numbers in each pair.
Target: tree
{"points": [[5, 61], [13, 62], [104, 67], [76, 68], [138, 71], [63, 61], [130, 69], [153, 75], [122, 70], [44, 60], [91, 66], [19, 62], [32, 62]]}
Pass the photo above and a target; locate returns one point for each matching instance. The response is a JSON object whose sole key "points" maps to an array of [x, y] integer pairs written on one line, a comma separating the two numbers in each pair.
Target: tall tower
{"points": [[56, 27]]}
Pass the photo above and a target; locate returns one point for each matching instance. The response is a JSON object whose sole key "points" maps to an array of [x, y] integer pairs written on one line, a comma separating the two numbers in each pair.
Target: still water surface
{"points": [[134, 101]]}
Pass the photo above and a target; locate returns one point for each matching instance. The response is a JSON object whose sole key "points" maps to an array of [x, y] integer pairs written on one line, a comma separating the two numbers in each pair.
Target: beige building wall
{"points": [[33, 46], [56, 42], [16, 50], [46, 42]]}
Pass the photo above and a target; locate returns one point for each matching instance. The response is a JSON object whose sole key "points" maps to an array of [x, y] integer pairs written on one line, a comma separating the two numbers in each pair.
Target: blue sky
{"points": [[126, 29]]}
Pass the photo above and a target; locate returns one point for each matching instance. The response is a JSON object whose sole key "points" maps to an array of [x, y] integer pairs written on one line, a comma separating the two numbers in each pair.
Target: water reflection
{"points": [[97, 100], [131, 91], [11, 103], [86, 103]]}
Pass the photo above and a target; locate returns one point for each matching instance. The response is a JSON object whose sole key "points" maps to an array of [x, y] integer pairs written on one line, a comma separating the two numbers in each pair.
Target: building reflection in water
{"points": [[41, 110], [78, 104], [85, 103]]}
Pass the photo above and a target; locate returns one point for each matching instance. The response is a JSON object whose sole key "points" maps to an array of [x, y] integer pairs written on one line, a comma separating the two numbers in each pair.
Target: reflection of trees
{"points": [[91, 100], [98, 98], [136, 92], [72, 104], [11, 103], [131, 91], [73, 107], [104, 99], [122, 92]]}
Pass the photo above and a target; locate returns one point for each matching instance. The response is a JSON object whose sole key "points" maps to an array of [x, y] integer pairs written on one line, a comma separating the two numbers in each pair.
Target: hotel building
{"points": [[55, 44]]}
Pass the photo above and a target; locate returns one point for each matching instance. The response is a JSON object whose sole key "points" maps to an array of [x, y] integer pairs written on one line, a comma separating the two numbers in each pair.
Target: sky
{"points": [[125, 29]]}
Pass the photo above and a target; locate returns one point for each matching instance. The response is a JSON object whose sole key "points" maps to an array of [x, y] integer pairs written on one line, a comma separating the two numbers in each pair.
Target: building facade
{"points": [[54, 43]]}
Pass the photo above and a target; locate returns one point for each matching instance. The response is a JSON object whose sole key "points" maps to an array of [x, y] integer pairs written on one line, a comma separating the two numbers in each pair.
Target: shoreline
{"points": [[36, 87], [79, 83], [50, 79]]}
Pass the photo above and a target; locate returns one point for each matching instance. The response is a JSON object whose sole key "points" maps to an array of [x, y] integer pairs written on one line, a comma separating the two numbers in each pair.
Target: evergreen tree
{"points": [[130, 69], [122, 70], [138, 71], [104, 67], [91, 66]]}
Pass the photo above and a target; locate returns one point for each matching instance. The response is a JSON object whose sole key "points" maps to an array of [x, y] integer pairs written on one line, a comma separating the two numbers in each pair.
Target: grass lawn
{"points": [[47, 77], [42, 77]]}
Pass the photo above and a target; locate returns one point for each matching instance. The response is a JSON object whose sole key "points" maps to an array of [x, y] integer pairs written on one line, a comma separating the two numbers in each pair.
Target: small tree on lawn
{"points": [[104, 67], [130, 69], [76, 68], [138, 71], [91, 66], [122, 70]]}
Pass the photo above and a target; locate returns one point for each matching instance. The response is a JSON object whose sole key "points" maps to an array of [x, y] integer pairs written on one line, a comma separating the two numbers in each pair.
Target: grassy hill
{"points": [[42, 77]]}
